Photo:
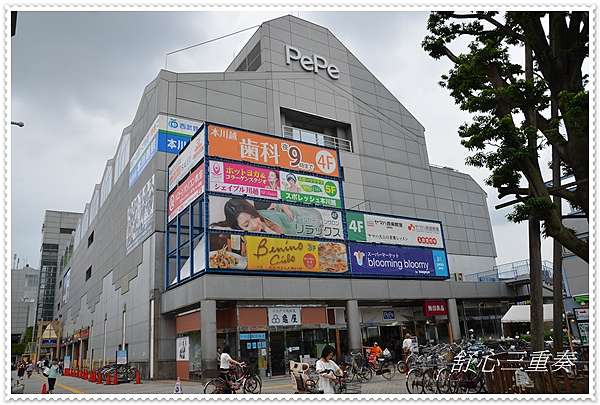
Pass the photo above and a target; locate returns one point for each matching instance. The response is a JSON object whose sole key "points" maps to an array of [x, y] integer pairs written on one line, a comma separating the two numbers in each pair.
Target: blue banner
{"points": [[171, 143], [397, 261]]}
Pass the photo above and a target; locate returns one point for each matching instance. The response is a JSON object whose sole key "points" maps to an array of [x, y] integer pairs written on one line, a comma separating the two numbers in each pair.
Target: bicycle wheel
{"points": [[365, 373], [428, 382], [443, 381], [413, 381], [388, 370], [251, 385], [401, 367], [214, 386]]}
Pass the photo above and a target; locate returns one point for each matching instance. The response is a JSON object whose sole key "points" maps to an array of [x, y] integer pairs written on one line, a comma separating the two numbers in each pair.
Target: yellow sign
{"points": [[282, 254]]}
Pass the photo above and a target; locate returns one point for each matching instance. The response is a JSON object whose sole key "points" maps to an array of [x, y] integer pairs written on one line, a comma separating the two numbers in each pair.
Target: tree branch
{"points": [[495, 23]]}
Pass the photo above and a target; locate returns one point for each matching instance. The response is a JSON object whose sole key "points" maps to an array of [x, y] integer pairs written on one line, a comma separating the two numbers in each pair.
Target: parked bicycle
{"points": [[240, 378]]}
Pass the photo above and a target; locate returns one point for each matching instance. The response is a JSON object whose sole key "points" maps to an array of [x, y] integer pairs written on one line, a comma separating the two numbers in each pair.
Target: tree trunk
{"points": [[536, 306]]}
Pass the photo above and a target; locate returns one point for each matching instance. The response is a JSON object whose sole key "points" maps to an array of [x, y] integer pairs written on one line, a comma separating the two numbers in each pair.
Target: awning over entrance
{"points": [[520, 313]]}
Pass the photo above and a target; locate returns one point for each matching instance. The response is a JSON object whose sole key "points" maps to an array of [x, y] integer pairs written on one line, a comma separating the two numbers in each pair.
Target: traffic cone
{"points": [[66, 372], [178, 389], [44, 389], [99, 378], [92, 376], [107, 377], [116, 381], [138, 378]]}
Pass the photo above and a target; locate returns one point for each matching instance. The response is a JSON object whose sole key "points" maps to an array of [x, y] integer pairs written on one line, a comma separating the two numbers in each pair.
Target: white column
{"points": [[353, 317], [208, 335], [151, 339], [453, 318]]}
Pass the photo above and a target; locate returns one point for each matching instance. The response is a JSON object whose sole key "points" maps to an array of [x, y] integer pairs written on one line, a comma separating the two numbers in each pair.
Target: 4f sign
{"points": [[314, 63]]}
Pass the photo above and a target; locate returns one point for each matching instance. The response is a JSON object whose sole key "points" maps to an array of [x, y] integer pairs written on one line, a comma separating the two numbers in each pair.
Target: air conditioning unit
{"points": [[458, 276]]}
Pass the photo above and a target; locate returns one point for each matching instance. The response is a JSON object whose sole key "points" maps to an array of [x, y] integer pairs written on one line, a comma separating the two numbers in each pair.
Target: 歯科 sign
{"points": [[397, 261], [394, 231], [239, 214], [284, 316], [267, 150], [189, 158], [259, 253], [435, 307], [184, 194]]}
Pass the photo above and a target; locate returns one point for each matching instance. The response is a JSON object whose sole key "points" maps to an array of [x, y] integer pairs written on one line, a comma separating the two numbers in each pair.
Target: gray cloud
{"points": [[77, 78]]}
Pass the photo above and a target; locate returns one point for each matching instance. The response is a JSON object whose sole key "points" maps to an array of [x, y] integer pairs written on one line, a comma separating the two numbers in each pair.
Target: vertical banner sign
{"points": [[238, 214], [233, 178], [186, 193], [189, 158], [140, 216], [397, 261], [271, 151], [144, 153], [394, 231], [183, 348]]}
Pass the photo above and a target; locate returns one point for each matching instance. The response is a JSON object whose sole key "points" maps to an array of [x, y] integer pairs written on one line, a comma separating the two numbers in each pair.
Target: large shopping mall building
{"points": [[128, 287]]}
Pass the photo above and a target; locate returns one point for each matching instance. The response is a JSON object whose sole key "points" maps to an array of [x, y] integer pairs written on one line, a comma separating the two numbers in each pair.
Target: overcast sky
{"points": [[77, 79]]}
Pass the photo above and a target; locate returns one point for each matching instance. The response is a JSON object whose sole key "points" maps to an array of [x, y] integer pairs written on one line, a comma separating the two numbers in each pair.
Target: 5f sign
{"points": [[309, 64]]}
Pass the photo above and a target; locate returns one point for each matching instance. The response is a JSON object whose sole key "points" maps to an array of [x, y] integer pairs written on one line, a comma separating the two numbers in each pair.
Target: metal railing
{"points": [[510, 271], [316, 138]]}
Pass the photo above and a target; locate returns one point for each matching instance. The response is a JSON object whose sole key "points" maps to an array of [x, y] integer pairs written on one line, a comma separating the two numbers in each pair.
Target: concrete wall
{"points": [[23, 288]]}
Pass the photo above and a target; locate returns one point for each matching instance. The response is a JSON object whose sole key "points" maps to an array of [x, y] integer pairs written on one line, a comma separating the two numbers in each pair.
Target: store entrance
{"points": [[277, 349]]}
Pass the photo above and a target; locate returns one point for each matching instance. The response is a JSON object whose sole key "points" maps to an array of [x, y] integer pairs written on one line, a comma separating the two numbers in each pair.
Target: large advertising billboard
{"points": [[236, 252], [395, 231], [140, 216], [189, 158], [186, 193], [251, 181], [239, 214], [397, 261], [249, 147]]}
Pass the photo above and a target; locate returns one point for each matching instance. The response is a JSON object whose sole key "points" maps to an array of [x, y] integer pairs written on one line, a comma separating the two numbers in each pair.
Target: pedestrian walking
{"points": [[21, 370], [53, 374], [29, 369], [327, 370]]}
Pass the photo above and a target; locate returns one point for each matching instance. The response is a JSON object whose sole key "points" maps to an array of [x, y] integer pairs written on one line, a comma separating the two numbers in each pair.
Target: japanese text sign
{"points": [[435, 307], [289, 316], [233, 178], [271, 151], [398, 261], [190, 156], [310, 190], [186, 192], [393, 231], [238, 214]]}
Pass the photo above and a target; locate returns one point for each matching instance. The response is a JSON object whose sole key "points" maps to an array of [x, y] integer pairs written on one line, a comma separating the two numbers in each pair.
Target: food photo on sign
{"points": [[239, 214], [237, 252]]}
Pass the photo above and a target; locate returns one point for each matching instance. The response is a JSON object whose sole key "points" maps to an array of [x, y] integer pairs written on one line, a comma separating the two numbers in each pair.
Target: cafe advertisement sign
{"points": [[271, 151], [238, 214], [258, 253], [394, 231], [397, 261]]}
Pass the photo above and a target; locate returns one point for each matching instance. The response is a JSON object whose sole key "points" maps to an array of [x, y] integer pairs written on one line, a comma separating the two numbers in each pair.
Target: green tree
{"points": [[485, 82]]}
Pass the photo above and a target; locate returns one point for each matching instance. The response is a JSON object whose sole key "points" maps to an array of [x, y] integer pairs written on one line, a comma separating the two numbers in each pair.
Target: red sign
{"points": [[186, 192], [435, 307], [85, 333]]}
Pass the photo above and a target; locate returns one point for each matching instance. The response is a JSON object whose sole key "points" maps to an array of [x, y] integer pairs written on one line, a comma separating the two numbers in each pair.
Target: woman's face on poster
{"points": [[272, 177], [249, 223]]}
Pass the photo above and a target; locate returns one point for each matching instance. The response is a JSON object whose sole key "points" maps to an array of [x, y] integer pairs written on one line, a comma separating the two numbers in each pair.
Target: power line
{"points": [[206, 42]]}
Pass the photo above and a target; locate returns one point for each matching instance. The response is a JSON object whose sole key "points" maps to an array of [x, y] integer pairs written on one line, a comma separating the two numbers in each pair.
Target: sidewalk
{"points": [[275, 385]]}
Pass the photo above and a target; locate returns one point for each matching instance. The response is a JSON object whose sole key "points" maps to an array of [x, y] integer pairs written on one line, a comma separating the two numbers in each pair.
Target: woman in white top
{"points": [[225, 366], [324, 364]]}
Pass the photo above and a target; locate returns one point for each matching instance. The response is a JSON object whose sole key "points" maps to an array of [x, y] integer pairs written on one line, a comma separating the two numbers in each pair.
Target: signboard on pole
{"points": [[238, 214], [272, 151], [121, 356], [392, 230]]}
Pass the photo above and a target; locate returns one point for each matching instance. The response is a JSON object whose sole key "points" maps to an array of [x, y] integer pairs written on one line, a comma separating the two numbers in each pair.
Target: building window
{"points": [[67, 230], [252, 62], [60, 284], [88, 273], [58, 309], [91, 239]]}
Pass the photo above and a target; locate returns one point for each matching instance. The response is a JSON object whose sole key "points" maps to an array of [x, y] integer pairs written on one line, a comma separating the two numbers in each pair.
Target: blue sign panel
{"points": [[253, 336], [140, 162], [389, 315], [397, 261], [171, 143]]}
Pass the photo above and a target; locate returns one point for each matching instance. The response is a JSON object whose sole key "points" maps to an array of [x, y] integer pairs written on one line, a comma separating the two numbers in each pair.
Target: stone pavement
{"points": [[276, 385]]}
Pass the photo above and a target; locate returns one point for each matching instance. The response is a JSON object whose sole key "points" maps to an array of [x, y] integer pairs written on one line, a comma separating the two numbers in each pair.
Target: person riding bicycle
{"points": [[225, 367], [374, 352], [407, 348], [327, 370]]}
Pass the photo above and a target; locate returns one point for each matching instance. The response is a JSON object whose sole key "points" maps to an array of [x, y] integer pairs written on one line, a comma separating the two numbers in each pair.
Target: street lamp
{"points": [[18, 123]]}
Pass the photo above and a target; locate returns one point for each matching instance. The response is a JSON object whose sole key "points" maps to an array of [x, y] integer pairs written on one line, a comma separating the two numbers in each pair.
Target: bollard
{"points": [[116, 381], [44, 389]]}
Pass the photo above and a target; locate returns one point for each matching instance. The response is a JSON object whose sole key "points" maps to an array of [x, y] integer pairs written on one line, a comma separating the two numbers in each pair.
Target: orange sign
{"points": [[246, 146]]}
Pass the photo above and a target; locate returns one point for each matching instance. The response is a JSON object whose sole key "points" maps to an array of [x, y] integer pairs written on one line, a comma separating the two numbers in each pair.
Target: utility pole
{"points": [[557, 276], [535, 257]]}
